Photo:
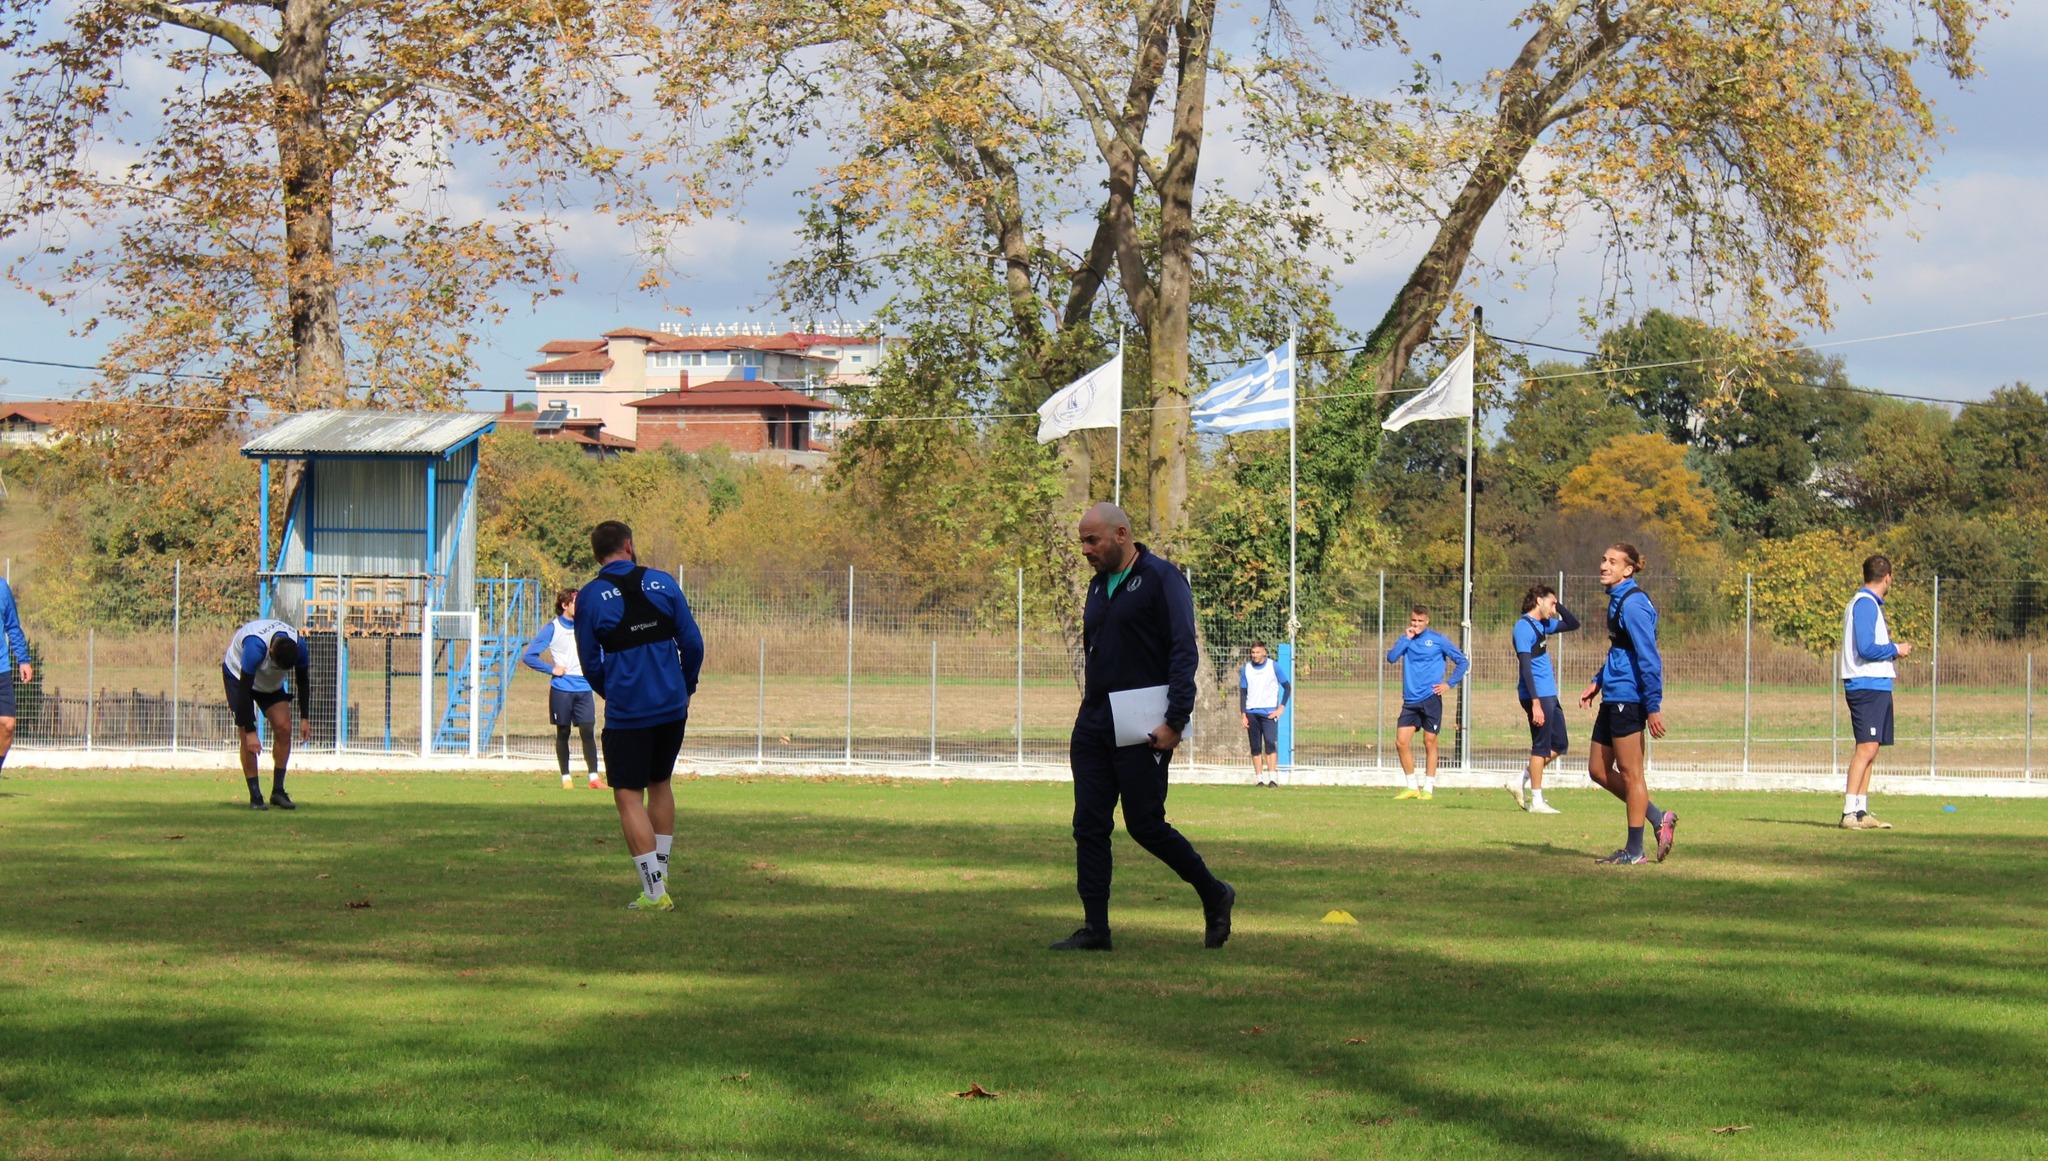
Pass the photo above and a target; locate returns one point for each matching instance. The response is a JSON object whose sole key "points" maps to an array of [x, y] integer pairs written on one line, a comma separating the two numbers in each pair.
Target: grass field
{"points": [[439, 966]]}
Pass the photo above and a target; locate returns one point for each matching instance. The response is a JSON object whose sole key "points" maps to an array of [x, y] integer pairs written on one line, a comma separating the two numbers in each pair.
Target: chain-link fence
{"points": [[860, 667]]}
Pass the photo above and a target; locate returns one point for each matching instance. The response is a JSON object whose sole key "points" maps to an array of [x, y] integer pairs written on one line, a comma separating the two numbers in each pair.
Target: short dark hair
{"points": [[1876, 567], [1422, 609], [608, 538], [284, 651], [1260, 645], [562, 600], [1536, 593]]}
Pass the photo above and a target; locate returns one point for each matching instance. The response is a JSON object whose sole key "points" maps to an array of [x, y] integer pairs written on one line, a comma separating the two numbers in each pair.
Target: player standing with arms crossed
{"points": [[1866, 669], [1422, 652], [1630, 685], [641, 652], [570, 702], [1263, 691], [253, 672], [1542, 618]]}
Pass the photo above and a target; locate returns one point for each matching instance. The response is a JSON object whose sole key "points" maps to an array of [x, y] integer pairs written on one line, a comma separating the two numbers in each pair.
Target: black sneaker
{"points": [[258, 804], [281, 800], [1218, 931], [1086, 939]]}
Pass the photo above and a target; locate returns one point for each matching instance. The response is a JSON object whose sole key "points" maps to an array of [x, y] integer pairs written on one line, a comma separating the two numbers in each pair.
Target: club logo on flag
{"points": [[1449, 396], [1094, 400]]}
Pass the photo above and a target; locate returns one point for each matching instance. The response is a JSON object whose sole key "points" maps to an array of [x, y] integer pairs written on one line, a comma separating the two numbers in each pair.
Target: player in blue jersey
{"points": [[1866, 668], [1423, 652], [1542, 618], [14, 660], [1263, 691], [641, 652], [571, 705], [1630, 686]]}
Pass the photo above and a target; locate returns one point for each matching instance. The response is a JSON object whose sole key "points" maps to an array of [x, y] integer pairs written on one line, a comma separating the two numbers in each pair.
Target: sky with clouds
{"points": [[1974, 248]]}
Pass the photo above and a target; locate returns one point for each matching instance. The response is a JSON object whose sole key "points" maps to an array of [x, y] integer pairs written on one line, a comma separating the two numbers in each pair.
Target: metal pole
{"points": [[1379, 717], [1020, 667], [1117, 487], [426, 679], [935, 702], [1834, 716], [340, 664], [177, 637], [90, 700], [849, 665], [1748, 624], [2028, 772], [1465, 618], [476, 678], [1293, 585], [761, 706], [1934, 686]]}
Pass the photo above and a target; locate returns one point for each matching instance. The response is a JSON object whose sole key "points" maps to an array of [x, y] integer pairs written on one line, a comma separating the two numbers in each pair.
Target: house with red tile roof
{"points": [[35, 423], [747, 416]]}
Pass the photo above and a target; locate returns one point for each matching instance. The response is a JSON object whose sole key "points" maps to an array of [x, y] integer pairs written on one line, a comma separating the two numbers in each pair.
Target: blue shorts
{"points": [[1263, 731], [1427, 714], [1618, 719], [6, 695], [1547, 740], [1870, 715], [571, 707]]}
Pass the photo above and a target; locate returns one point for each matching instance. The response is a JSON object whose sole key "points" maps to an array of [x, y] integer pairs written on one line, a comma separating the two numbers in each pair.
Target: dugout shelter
{"points": [[378, 553]]}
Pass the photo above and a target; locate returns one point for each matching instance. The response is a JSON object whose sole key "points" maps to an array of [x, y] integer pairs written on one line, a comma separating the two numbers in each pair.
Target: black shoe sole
{"points": [[1210, 939], [259, 806], [285, 805]]}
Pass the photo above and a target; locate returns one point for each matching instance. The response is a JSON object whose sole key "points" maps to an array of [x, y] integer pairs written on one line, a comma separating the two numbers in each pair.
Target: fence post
{"points": [[2027, 774], [1556, 643], [1748, 630], [761, 705], [340, 666], [1379, 668], [1834, 714], [1020, 666], [90, 700], [177, 634], [934, 737], [849, 666], [1934, 685]]}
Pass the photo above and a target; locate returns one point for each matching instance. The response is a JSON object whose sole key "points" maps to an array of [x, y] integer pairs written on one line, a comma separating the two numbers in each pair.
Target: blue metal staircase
{"points": [[508, 617]]}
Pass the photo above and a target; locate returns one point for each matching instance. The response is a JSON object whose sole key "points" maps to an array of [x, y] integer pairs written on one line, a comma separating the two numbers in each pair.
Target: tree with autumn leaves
{"points": [[253, 197]]}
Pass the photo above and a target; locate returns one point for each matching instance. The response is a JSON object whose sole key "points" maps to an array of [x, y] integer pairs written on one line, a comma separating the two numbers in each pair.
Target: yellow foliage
{"points": [[1644, 476]]}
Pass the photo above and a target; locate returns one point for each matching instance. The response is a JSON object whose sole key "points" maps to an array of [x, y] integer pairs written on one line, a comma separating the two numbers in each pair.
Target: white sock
{"points": [[1862, 803], [663, 843], [593, 777], [1848, 804], [652, 880], [1411, 782], [1536, 798], [1526, 780], [1429, 783]]}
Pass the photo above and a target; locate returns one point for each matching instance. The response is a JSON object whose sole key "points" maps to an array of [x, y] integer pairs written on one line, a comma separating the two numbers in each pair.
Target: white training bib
{"points": [[269, 678], [1262, 685]]}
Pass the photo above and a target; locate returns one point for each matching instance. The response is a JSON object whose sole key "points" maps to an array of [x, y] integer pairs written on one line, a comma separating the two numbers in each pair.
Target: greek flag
{"points": [[1258, 398]]}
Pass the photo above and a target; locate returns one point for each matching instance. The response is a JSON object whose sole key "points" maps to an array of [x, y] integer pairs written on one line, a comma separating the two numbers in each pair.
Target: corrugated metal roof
{"points": [[388, 433]]}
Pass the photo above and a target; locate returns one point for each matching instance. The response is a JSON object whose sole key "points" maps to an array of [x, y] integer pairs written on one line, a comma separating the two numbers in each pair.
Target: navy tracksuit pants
{"points": [[1105, 773]]}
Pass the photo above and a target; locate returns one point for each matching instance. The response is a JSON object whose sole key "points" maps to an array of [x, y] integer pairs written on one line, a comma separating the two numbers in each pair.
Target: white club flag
{"points": [[1449, 397], [1094, 400], [1258, 398]]}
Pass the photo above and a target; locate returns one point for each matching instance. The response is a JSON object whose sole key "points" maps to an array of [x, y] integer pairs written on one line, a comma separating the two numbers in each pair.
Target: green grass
{"points": [[849, 953]]}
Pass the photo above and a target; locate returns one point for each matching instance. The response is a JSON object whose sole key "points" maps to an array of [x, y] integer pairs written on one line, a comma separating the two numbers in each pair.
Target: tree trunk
{"points": [[306, 166], [1167, 467]]}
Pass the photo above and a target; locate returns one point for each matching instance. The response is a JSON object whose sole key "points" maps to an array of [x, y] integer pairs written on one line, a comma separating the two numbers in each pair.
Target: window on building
{"points": [[715, 359], [584, 378], [665, 360], [549, 379], [857, 360]]}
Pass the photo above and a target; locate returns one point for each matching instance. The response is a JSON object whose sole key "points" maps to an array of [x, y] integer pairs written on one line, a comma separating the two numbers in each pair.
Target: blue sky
{"points": [[1974, 248]]}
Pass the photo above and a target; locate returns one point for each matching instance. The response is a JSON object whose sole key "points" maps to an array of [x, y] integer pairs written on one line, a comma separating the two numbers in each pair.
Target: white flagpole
{"points": [[1465, 623], [1117, 495], [1293, 511]]}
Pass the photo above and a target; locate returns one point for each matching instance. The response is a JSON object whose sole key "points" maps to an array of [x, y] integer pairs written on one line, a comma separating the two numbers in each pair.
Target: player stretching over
{"points": [[1422, 652], [570, 702], [1542, 618], [253, 672]]}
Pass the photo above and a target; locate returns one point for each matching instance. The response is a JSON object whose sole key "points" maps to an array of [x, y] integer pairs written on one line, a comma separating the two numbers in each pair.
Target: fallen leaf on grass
{"points": [[323, 875], [1732, 1128], [467, 972], [492, 850], [1254, 1030], [359, 904], [736, 1078], [1357, 1039], [173, 837], [978, 1093], [760, 866]]}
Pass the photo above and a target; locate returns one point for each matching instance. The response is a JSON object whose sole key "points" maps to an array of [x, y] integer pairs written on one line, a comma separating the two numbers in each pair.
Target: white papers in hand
{"points": [[1137, 713]]}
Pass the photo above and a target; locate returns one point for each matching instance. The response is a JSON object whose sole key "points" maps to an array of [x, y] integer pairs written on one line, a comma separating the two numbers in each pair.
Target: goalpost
{"points": [[429, 723]]}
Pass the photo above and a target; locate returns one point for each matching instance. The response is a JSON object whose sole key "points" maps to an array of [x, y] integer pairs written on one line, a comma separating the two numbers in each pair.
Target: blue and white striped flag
{"points": [[1258, 398]]}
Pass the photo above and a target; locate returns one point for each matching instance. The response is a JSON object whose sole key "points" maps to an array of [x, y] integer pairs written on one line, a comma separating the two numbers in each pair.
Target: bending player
{"points": [[1262, 695], [1542, 618], [1422, 652], [259, 656], [570, 702], [1630, 685]]}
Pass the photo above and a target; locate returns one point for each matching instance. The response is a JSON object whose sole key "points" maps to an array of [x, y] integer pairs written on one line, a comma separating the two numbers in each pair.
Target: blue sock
{"points": [[1635, 840], [1655, 816]]}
